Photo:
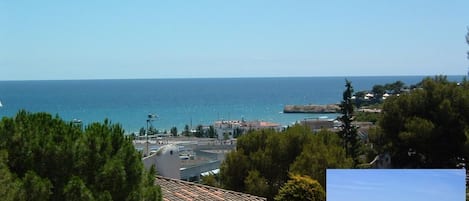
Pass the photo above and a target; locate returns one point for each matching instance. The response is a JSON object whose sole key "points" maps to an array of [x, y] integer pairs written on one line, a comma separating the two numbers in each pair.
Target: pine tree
{"points": [[349, 131]]}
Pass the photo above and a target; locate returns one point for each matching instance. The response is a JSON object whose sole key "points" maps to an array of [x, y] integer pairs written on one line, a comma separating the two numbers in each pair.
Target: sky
{"points": [[110, 39], [391, 185]]}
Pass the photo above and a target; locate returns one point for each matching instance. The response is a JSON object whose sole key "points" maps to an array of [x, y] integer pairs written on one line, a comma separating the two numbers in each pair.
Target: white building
{"points": [[233, 128]]}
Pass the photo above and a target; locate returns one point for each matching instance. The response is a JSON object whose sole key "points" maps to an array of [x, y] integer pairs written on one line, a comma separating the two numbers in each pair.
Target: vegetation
{"points": [[199, 131], [378, 91], [45, 158], [429, 127], [301, 188], [348, 133], [174, 131], [263, 159], [393, 88], [372, 117], [212, 133], [186, 131], [211, 180]]}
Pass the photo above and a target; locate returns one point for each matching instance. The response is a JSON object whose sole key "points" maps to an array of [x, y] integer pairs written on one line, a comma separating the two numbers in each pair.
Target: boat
{"points": [[1, 104]]}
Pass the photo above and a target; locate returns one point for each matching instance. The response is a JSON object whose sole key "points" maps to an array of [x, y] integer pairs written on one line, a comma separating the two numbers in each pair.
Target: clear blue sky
{"points": [[393, 185], [246, 38]]}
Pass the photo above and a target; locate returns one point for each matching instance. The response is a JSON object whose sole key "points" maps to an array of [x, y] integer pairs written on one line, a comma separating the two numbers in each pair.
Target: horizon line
{"points": [[234, 77]]}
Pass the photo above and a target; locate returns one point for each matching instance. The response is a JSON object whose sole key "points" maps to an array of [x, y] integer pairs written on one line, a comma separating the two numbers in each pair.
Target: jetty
{"points": [[330, 108]]}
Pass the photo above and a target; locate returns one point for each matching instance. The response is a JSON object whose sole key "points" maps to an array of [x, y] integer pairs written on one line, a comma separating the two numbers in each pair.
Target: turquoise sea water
{"points": [[178, 102]]}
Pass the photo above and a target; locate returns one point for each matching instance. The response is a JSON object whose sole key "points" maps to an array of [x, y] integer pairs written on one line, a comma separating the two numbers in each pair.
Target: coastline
{"points": [[181, 101]]}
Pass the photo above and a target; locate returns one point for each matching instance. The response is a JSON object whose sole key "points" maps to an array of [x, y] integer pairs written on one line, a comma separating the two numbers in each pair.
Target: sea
{"points": [[180, 102]]}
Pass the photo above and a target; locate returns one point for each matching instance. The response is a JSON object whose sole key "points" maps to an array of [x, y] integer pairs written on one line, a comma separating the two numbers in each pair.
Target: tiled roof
{"points": [[174, 189]]}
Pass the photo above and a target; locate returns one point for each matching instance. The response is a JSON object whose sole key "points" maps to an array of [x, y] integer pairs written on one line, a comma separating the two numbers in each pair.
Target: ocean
{"points": [[178, 102]]}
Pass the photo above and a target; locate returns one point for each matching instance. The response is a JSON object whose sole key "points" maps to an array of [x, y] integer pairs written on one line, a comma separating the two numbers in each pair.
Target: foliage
{"points": [[367, 117], [11, 187], [429, 127], [186, 131], [199, 132], [150, 191], [56, 160], [263, 159], [212, 133], [360, 94], [395, 87], [174, 131], [233, 170], [152, 130], [301, 188], [256, 184], [35, 187], [76, 190], [211, 180], [141, 132], [374, 146], [378, 90], [324, 151], [348, 132]]}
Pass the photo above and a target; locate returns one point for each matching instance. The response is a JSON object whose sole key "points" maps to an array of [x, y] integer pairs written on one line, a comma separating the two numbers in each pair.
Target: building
{"points": [[166, 160], [319, 124], [228, 129], [174, 189]]}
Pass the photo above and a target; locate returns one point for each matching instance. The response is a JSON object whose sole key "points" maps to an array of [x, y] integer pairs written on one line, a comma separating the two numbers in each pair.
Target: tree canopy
{"points": [[301, 188], [429, 127], [348, 132], [45, 158], [263, 159]]}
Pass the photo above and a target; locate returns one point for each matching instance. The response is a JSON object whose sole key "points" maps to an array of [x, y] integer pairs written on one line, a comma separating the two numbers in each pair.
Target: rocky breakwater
{"points": [[331, 108]]}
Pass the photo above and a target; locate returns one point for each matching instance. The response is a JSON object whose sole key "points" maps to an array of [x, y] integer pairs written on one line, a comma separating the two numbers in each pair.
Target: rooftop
{"points": [[174, 189]]}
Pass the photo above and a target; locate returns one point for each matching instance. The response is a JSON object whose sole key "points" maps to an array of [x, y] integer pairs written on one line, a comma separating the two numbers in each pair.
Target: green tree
{"points": [[256, 184], [324, 151], [378, 90], [35, 187], [263, 159], [57, 160], [150, 192], [226, 136], [212, 133], [141, 132], [348, 131], [301, 188], [395, 87], [211, 180], [76, 190], [152, 130], [199, 131], [174, 131], [186, 131], [428, 128], [11, 187], [360, 94], [367, 117], [233, 170], [376, 143]]}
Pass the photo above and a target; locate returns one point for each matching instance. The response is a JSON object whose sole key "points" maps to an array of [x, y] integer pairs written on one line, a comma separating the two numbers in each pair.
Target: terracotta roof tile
{"points": [[174, 189]]}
